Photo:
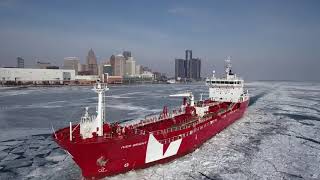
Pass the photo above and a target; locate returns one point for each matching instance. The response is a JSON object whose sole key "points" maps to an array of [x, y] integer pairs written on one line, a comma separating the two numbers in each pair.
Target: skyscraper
{"points": [[20, 62], [72, 63], [189, 68], [92, 63], [195, 69], [180, 71], [118, 64], [188, 54], [126, 54], [187, 64], [130, 66]]}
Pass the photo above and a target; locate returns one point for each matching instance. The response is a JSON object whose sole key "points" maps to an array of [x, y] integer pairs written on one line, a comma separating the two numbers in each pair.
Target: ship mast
{"points": [[90, 125], [228, 66], [100, 88]]}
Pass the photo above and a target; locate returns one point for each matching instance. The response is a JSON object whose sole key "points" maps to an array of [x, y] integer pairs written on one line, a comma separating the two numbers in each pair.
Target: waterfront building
{"points": [[130, 67], [86, 79], [36, 76], [113, 63], [188, 68], [52, 67], [118, 64], [187, 64], [113, 79], [43, 65], [107, 69], [20, 62], [145, 68], [180, 71], [147, 75], [100, 69], [83, 70], [195, 69], [157, 76], [92, 63], [72, 63], [138, 70], [188, 54]]}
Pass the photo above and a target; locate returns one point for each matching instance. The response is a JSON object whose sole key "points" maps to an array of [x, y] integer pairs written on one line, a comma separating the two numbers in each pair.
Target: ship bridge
{"points": [[228, 88]]}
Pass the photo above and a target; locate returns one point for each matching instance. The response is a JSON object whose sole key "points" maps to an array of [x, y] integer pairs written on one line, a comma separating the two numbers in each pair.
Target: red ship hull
{"points": [[99, 157]]}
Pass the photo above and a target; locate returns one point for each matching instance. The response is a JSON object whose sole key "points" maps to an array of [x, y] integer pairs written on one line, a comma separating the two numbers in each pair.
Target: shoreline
{"points": [[4, 87]]}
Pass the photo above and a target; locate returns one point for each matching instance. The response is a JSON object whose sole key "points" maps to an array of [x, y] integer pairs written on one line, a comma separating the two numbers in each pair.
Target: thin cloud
{"points": [[189, 12], [179, 10], [7, 3]]}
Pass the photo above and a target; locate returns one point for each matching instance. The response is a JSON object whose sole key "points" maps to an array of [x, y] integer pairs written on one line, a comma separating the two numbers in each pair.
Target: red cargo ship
{"points": [[101, 149]]}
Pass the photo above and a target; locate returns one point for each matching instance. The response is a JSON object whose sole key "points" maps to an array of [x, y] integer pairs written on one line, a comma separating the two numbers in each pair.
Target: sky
{"points": [[267, 39]]}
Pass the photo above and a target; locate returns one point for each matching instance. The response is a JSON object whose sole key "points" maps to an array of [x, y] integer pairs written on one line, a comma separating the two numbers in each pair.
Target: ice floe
{"points": [[278, 138]]}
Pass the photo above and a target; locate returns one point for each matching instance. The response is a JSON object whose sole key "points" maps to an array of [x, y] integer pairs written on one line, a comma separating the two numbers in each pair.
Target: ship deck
{"points": [[168, 125]]}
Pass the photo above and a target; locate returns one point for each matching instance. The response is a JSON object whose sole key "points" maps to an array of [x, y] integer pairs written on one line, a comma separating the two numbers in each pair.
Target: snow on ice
{"points": [[278, 138]]}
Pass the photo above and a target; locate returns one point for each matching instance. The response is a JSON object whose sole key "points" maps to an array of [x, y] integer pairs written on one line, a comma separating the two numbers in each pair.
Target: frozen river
{"points": [[278, 137]]}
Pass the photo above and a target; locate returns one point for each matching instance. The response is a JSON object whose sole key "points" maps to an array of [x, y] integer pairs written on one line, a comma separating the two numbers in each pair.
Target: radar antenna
{"points": [[228, 64]]}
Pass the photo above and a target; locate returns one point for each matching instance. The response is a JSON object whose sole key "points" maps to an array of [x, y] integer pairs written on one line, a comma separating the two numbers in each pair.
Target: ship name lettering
{"points": [[133, 145], [139, 144], [126, 146]]}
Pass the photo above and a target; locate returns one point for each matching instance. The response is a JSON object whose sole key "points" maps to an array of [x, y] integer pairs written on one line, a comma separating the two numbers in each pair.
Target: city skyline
{"points": [[268, 40], [188, 68]]}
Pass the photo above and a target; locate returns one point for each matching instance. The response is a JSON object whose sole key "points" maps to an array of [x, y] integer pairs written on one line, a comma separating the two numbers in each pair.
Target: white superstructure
{"points": [[228, 88]]}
